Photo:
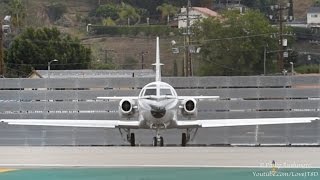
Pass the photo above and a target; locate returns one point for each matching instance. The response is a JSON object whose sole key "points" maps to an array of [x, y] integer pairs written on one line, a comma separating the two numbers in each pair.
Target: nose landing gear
{"points": [[157, 140]]}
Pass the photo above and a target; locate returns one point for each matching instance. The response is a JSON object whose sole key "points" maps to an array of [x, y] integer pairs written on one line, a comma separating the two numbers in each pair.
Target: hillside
{"points": [[122, 48], [117, 49]]}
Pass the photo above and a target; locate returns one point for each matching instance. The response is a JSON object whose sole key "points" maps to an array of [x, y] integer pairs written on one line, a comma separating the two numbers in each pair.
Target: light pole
{"points": [[143, 53], [264, 60], [49, 63], [291, 68]]}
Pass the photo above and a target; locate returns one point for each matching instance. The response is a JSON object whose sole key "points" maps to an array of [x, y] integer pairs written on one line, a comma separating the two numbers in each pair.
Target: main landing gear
{"points": [[157, 140], [188, 136], [130, 136]]}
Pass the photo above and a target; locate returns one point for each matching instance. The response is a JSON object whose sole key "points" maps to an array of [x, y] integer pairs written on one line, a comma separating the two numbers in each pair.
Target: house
{"points": [[195, 14], [313, 17]]}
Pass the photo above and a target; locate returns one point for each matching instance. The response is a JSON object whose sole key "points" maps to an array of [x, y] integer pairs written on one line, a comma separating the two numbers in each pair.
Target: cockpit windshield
{"points": [[153, 92], [165, 92], [150, 92]]}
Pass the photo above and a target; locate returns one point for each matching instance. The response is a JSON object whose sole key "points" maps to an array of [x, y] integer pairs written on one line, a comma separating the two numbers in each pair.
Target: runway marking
{"points": [[138, 165], [4, 170]]}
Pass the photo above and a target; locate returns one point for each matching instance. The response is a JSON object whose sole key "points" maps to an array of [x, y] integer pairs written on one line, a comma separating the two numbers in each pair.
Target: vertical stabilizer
{"points": [[158, 64]]}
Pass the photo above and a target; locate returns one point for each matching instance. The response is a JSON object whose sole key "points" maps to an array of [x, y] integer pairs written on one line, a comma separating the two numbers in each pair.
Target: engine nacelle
{"points": [[189, 108], [126, 108]]}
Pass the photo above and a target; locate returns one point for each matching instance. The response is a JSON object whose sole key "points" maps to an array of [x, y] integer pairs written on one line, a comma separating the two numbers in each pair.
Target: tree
{"points": [[167, 10], [17, 12], [108, 11], [56, 10], [108, 22], [128, 13], [316, 2], [34, 48], [234, 44]]}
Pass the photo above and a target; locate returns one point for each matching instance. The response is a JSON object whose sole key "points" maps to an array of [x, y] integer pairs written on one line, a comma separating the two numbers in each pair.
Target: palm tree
{"points": [[167, 10], [128, 12], [17, 12]]}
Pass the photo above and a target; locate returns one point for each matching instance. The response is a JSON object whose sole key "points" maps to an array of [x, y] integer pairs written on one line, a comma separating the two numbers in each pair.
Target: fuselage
{"points": [[158, 105]]}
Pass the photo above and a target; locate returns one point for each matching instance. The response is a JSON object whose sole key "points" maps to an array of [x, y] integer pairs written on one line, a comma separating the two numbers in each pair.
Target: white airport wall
{"points": [[241, 97]]}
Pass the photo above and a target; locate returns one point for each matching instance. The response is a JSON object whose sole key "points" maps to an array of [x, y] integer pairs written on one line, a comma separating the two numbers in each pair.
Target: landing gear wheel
{"points": [[161, 141], [184, 139], [155, 141], [132, 140]]}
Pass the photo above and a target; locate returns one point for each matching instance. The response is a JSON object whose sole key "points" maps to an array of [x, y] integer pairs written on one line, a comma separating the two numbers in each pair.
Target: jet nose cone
{"points": [[158, 112]]}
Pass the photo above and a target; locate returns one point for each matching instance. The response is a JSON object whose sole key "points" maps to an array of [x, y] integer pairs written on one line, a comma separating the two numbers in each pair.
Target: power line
{"points": [[232, 38]]}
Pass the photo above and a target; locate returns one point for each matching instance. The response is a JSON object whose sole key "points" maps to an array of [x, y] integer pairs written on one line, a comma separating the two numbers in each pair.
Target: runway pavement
{"points": [[35, 157]]}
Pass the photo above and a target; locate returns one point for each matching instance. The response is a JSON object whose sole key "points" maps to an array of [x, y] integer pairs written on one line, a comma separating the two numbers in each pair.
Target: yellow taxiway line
{"points": [[3, 170]]}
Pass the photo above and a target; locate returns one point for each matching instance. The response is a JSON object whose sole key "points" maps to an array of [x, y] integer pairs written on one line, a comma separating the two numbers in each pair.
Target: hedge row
{"points": [[134, 30], [306, 69]]}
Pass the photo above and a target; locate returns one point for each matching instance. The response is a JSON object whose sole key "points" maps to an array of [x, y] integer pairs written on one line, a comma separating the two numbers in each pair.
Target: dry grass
{"points": [[123, 47]]}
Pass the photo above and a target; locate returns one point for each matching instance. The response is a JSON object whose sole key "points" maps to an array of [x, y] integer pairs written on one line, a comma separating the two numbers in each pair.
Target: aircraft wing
{"points": [[73, 123], [199, 97], [242, 122], [118, 97]]}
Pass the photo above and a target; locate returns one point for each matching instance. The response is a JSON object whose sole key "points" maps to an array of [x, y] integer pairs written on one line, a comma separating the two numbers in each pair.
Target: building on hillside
{"points": [[195, 14], [313, 17]]}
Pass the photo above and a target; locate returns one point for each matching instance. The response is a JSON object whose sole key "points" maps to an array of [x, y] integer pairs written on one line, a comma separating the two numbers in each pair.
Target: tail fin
{"points": [[158, 64]]}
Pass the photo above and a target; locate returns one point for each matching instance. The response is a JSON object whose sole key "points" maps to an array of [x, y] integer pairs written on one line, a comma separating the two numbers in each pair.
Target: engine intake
{"points": [[189, 108], [126, 108]]}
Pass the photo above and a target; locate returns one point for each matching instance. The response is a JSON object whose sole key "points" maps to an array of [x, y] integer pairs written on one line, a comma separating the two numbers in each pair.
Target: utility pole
{"points": [[187, 58], [2, 68], [187, 41], [280, 54], [281, 19]]}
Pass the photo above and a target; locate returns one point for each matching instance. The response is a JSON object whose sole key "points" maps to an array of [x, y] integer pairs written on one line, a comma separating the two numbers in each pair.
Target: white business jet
{"points": [[157, 107]]}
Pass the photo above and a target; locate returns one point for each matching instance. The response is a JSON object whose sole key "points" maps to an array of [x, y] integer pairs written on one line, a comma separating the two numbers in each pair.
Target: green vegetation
{"points": [[234, 44], [307, 69], [134, 30], [128, 13], [56, 10], [167, 10], [18, 13], [34, 48]]}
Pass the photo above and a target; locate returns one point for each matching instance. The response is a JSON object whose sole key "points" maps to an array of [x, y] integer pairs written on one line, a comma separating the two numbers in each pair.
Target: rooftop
{"points": [[314, 10], [202, 10], [206, 11]]}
